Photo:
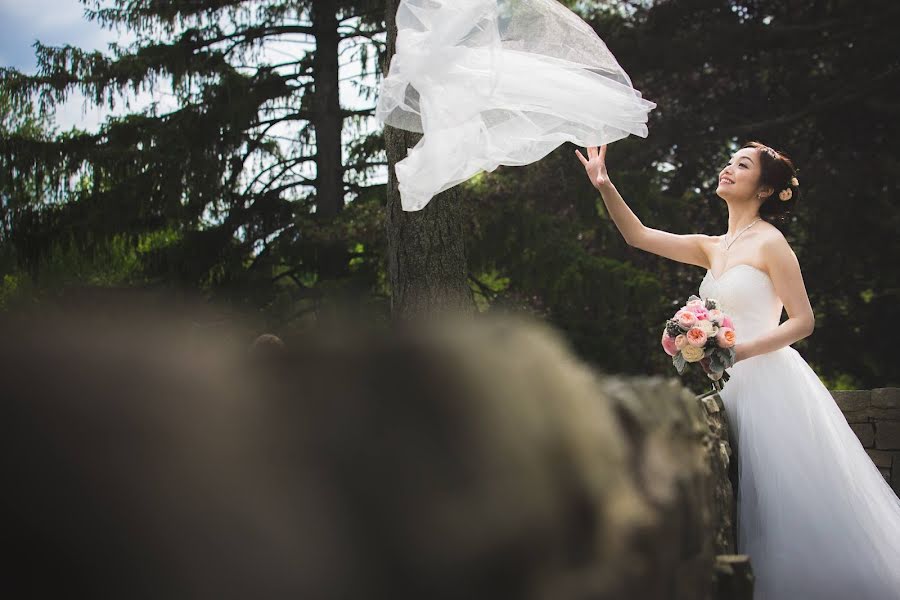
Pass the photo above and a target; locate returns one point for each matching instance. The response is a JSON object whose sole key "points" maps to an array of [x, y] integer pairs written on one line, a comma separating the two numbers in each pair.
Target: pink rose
{"points": [[686, 319], [716, 315], [699, 310], [726, 322], [696, 337], [726, 337], [695, 303], [668, 344], [680, 341]]}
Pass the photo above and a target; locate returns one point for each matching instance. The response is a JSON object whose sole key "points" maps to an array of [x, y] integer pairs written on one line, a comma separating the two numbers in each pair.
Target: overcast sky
{"points": [[54, 23], [60, 22]]}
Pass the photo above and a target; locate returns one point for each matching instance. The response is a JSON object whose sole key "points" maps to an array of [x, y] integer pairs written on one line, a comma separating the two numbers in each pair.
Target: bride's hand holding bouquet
{"points": [[700, 332]]}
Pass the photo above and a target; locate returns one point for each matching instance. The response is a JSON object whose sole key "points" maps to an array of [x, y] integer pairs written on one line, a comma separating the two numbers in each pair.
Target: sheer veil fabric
{"points": [[499, 82]]}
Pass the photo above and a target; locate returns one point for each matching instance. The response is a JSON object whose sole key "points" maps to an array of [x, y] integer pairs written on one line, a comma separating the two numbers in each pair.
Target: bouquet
{"points": [[701, 333]]}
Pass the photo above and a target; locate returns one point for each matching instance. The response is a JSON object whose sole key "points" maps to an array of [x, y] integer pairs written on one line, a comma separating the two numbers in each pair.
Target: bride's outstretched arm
{"points": [[784, 270], [690, 248]]}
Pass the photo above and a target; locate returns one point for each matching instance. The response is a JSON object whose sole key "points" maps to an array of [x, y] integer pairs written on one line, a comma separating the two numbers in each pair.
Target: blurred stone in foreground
{"points": [[734, 577], [465, 458]]}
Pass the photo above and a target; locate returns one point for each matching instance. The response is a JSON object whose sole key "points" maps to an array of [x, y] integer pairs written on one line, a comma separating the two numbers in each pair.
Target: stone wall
{"points": [[473, 458], [732, 573], [874, 415]]}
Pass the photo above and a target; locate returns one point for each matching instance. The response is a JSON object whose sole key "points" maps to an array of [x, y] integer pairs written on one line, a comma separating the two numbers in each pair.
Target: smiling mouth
{"points": [[728, 181]]}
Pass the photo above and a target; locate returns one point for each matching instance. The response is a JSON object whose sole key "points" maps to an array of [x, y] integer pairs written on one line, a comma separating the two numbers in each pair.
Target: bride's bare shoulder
{"points": [[771, 235], [775, 247]]}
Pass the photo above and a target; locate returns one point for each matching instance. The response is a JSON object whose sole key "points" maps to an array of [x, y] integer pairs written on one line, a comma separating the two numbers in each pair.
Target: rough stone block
{"points": [[885, 414], [895, 476], [712, 403], [881, 458], [887, 435], [733, 574], [872, 414], [865, 432], [886, 398], [849, 400], [857, 416]]}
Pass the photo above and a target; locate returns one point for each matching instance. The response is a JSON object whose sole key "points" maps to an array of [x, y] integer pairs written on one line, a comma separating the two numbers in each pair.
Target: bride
{"points": [[815, 515]]}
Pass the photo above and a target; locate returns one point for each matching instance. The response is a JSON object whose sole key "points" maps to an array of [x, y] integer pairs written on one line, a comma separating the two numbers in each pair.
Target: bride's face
{"points": [[739, 178]]}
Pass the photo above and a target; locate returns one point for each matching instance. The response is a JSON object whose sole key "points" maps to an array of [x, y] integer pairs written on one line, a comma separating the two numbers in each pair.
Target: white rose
{"points": [[692, 353], [708, 328]]}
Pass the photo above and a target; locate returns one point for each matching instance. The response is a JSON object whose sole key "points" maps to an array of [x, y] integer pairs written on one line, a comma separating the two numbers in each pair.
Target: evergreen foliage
{"points": [[209, 195], [228, 170]]}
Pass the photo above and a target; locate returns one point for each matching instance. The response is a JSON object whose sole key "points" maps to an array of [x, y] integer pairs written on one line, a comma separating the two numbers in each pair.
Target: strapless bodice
{"points": [[748, 296]]}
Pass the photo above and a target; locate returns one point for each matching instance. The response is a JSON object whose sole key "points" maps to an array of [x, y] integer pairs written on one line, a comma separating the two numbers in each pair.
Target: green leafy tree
{"points": [[247, 171], [813, 78], [233, 208]]}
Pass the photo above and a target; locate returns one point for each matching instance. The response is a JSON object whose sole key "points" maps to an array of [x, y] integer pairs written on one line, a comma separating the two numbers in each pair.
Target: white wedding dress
{"points": [[814, 514]]}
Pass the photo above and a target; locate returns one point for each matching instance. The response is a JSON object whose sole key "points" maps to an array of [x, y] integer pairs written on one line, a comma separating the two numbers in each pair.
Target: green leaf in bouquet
{"points": [[730, 355], [708, 351], [711, 304], [679, 362]]}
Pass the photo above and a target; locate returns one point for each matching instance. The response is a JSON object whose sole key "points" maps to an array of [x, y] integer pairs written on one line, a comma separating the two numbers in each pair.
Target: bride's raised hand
{"points": [[595, 165]]}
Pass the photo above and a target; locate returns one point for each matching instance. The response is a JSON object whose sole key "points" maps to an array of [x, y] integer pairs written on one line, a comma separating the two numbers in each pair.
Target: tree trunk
{"points": [[427, 260], [333, 259]]}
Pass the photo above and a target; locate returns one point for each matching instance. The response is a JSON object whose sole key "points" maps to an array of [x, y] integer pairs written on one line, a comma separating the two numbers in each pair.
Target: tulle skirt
{"points": [[816, 516]]}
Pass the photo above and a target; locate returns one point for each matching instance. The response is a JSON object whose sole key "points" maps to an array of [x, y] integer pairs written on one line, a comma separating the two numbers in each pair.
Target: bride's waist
{"points": [[783, 353], [745, 332]]}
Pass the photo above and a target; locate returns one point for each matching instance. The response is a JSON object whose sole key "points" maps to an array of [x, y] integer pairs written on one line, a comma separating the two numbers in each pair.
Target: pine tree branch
{"points": [[252, 147], [839, 99], [379, 13], [355, 187], [365, 165], [356, 32], [367, 112], [291, 162]]}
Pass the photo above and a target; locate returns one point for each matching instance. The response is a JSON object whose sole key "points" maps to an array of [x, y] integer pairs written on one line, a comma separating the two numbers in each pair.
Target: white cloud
{"points": [[44, 15], [59, 22], [53, 23], [56, 23]]}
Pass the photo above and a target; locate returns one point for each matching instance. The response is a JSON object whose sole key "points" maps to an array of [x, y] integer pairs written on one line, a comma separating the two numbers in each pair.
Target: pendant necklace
{"points": [[752, 223]]}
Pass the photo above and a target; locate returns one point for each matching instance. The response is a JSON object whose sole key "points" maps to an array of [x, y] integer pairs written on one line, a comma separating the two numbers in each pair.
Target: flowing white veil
{"points": [[499, 82]]}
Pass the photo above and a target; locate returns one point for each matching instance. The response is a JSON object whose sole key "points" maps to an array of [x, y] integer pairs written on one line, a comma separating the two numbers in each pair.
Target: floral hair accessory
{"points": [[785, 195], [794, 182]]}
